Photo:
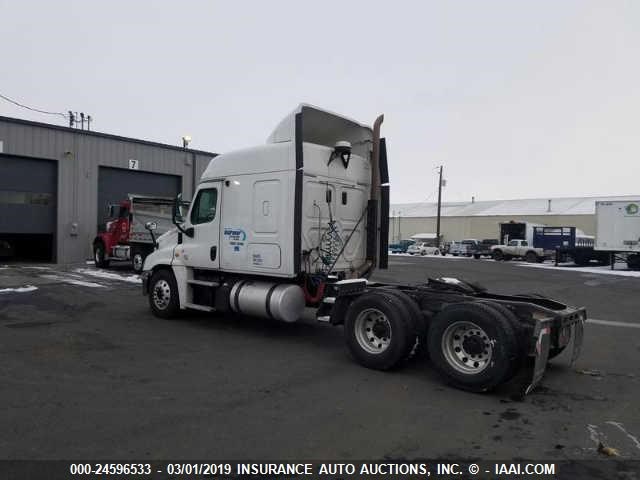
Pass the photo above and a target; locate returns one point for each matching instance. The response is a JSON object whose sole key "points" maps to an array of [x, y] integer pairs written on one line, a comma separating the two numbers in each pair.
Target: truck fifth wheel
{"points": [[303, 222]]}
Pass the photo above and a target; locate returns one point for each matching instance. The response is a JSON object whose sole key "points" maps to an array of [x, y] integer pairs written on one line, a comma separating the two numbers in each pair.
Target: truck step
{"points": [[204, 283], [202, 308], [329, 300], [324, 318]]}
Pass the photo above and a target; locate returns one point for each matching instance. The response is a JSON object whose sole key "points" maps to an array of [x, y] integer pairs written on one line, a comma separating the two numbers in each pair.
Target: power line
{"points": [[31, 108]]}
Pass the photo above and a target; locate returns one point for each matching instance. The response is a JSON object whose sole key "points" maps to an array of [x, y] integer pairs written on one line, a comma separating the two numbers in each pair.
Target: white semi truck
{"points": [[302, 222]]}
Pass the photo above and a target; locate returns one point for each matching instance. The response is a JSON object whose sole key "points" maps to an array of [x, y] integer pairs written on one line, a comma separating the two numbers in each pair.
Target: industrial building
{"points": [[56, 184], [481, 219]]}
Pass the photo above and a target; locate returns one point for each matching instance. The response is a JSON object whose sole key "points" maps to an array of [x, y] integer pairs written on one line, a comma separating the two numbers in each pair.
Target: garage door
{"points": [[28, 213], [115, 185]]}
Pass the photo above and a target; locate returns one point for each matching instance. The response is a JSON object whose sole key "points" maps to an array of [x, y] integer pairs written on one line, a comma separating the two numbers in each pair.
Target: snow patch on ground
{"points": [[601, 270], [455, 281], [109, 275], [72, 281], [445, 257], [26, 288]]}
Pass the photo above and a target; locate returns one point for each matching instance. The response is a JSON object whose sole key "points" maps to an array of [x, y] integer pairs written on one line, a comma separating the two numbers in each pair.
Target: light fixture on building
{"points": [[186, 140]]}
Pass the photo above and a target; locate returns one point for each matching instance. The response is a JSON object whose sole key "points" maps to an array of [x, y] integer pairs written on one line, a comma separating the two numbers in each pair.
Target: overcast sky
{"points": [[516, 99]]}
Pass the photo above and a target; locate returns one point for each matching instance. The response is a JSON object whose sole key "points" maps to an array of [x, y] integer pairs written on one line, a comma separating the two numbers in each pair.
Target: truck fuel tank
{"points": [[280, 301]]}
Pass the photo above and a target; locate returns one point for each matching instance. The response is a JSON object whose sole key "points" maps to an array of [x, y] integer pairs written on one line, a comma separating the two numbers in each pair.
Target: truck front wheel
{"points": [[137, 260], [377, 331], [498, 255], [472, 346], [163, 294], [99, 255]]}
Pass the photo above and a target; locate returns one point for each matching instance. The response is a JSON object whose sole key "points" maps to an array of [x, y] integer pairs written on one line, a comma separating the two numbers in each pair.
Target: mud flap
{"points": [[539, 365], [577, 335]]}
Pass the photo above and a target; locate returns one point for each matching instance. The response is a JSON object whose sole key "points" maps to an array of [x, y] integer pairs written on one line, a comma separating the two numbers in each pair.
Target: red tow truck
{"points": [[125, 236]]}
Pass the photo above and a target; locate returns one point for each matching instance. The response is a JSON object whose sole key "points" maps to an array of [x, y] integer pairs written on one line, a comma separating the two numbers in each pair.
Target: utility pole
{"points": [[439, 206]]}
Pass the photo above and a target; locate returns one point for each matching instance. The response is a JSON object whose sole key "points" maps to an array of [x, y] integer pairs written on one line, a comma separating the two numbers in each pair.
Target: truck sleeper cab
{"points": [[303, 222]]}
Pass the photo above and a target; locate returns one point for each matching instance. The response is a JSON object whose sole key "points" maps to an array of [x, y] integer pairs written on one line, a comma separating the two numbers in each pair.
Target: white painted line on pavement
{"points": [[620, 427], [612, 323]]}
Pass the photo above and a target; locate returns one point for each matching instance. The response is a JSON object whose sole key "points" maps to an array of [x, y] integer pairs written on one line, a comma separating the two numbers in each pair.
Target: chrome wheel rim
{"points": [[97, 255], [373, 331], [467, 347], [161, 294]]}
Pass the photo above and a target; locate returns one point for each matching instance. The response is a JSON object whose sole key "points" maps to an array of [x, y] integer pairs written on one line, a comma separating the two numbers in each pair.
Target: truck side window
{"points": [[204, 208], [524, 243]]}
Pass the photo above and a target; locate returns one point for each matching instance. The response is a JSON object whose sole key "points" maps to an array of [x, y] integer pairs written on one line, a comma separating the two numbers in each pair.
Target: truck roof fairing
{"points": [[320, 126]]}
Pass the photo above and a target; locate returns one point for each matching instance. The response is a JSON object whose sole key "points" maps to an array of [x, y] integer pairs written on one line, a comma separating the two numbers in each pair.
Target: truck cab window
{"points": [[204, 208]]}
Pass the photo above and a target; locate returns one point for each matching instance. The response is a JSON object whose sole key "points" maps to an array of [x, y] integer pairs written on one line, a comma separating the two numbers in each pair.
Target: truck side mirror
{"points": [[177, 214], [152, 226]]}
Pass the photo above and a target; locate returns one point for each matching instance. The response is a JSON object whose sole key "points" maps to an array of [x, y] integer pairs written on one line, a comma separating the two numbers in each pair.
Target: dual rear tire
{"points": [[473, 346], [379, 330]]}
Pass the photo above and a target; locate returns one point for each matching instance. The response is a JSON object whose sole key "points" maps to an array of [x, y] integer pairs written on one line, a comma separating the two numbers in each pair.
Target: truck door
{"points": [[202, 250]]}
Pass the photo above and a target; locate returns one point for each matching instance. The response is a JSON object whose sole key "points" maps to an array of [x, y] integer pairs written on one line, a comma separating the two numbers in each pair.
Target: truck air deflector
{"points": [[383, 254], [297, 208]]}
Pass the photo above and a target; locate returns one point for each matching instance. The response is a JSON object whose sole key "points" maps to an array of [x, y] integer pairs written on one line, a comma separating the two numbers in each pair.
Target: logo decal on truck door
{"points": [[235, 237]]}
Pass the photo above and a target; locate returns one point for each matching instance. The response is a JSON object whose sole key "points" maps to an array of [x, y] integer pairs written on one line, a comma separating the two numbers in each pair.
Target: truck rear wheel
{"points": [[378, 331], [531, 257], [163, 294], [472, 346], [99, 255], [416, 322]]}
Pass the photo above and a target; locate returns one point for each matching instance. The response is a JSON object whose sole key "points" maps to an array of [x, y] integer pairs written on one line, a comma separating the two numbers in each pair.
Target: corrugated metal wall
{"points": [[479, 227], [79, 154]]}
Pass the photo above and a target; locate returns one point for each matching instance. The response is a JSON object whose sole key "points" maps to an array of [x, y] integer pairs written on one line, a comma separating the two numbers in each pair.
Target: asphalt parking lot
{"points": [[87, 372]]}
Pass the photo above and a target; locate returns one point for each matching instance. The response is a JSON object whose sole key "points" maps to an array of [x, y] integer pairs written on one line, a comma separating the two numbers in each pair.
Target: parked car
{"points": [[484, 247], [401, 246], [423, 248], [471, 246]]}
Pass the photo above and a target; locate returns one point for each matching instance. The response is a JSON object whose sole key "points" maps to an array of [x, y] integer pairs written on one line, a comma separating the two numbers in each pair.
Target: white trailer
{"points": [[618, 230], [303, 222]]}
